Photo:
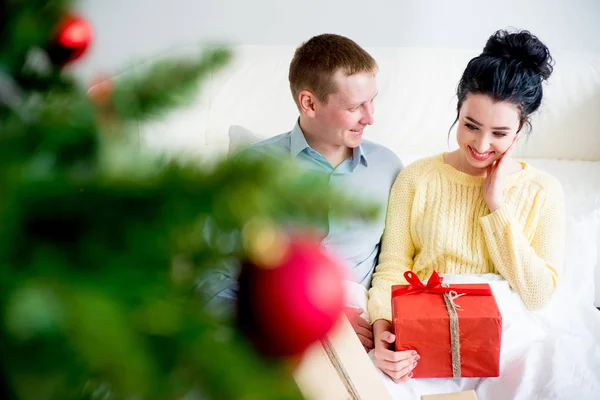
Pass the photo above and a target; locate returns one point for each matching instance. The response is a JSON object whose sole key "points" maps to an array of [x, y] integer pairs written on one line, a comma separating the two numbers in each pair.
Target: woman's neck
{"points": [[457, 160]]}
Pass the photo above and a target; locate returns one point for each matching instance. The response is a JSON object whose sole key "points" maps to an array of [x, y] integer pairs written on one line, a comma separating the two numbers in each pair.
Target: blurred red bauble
{"points": [[74, 35], [284, 308]]}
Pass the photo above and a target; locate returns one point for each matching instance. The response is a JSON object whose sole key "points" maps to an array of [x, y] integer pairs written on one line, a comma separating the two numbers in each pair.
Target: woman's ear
{"points": [[524, 122]]}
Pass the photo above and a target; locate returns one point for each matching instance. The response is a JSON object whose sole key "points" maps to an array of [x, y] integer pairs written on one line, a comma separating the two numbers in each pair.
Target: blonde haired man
{"points": [[332, 80]]}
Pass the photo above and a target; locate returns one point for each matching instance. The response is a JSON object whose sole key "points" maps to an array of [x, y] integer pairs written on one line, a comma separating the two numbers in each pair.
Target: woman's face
{"points": [[486, 129]]}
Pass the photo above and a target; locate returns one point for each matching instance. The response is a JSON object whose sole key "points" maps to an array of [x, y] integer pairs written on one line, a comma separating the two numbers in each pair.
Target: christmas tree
{"points": [[102, 243]]}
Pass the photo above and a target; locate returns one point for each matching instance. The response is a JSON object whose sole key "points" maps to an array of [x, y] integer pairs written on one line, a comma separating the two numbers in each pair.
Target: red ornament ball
{"points": [[74, 35], [283, 309]]}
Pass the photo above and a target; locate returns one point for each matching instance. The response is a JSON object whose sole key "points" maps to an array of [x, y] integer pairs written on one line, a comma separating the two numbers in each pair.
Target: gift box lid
{"points": [[465, 395], [435, 305]]}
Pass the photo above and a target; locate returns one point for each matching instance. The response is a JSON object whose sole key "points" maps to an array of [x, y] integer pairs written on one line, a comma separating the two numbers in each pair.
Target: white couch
{"points": [[414, 111]]}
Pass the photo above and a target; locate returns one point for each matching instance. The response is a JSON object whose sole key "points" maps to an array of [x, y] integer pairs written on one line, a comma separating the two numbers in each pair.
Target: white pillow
{"points": [[581, 257], [582, 216], [240, 137], [597, 274]]}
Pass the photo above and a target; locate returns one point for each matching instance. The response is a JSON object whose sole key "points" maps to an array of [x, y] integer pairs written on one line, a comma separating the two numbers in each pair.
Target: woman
{"points": [[476, 210]]}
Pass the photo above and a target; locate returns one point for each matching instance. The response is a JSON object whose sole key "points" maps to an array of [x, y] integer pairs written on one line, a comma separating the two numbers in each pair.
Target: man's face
{"points": [[342, 119]]}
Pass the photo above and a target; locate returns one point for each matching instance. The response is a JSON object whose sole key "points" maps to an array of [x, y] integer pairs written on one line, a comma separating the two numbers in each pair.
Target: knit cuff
{"points": [[496, 221], [380, 305], [376, 313]]}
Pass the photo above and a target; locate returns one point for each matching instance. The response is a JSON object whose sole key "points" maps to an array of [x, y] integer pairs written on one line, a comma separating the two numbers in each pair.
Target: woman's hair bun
{"points": [[523, 47]]}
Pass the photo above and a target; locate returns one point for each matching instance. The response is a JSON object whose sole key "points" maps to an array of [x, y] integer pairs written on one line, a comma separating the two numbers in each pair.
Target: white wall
{"points": [[130, 30]]}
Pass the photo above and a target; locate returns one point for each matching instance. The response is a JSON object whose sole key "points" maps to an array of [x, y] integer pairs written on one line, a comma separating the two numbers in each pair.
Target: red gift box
{"points": [[437, 320]]}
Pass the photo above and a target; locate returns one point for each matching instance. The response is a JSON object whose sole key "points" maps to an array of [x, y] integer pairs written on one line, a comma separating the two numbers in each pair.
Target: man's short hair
{"points": [[317, 60]]}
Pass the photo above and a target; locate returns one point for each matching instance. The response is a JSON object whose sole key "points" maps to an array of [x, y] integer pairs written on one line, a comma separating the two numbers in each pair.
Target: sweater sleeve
{"points": [[531, 268], [397, 248]]}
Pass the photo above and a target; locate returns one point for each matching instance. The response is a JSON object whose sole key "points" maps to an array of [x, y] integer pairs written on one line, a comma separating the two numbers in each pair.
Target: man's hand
{"points": [[361, 327]]}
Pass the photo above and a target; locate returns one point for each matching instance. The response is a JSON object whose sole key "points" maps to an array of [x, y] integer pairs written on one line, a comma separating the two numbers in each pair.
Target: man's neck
{"points": [[334, 154]]}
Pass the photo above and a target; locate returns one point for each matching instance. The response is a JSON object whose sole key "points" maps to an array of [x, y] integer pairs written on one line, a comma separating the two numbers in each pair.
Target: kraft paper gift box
{"points": [[456, 329], [338, 368], [466, 395]]}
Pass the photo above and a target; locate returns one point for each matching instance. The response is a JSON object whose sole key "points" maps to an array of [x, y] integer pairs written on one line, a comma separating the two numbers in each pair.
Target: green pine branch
{"points": [[99, 257], [27, 25], [102, 243], [164, 85]]}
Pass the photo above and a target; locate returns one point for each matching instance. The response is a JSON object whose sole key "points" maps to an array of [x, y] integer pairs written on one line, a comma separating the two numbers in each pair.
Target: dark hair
{"points": [[511, 68]]}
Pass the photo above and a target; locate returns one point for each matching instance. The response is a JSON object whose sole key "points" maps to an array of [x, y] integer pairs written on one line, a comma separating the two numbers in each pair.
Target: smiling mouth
{"points": [[357, 132], [480, 156]]}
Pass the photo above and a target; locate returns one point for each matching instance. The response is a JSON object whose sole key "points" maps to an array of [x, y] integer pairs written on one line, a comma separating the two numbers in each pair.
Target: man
{"points": [[332, 81]]}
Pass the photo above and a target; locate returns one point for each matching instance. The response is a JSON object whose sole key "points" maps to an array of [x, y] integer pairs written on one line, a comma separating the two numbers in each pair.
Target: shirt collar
{"points": [[298, 144], [298, 141], [358, 156]]}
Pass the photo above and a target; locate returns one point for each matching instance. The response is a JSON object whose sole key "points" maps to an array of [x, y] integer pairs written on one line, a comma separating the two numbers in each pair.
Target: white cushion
{"points": [[240, 137], [581, 185], [581, 257]]}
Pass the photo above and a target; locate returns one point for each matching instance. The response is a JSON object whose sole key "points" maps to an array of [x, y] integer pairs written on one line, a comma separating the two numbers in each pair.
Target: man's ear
{"points": [[307, 102]]}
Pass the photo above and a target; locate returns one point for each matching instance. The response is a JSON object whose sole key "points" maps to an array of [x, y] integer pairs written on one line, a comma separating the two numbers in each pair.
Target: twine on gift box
{"points": [[339, 368], [454, 331]]}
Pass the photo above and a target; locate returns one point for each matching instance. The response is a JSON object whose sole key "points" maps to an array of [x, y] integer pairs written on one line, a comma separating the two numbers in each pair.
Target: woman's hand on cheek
{"points": [[495, 180]]}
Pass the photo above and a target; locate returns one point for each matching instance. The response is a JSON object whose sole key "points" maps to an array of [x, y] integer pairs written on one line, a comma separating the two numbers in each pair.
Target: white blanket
{"points": [[549, 354]]}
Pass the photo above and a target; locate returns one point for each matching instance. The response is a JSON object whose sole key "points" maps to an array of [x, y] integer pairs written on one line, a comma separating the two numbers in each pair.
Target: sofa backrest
{"points": [[414, 110]]}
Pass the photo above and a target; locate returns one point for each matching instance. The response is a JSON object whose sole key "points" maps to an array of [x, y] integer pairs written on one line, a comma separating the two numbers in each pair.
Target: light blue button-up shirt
{"points": [[368, 174]]}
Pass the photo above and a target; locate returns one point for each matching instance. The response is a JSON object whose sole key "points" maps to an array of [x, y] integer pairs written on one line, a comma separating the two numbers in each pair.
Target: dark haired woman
{"points": [[476, 210]]}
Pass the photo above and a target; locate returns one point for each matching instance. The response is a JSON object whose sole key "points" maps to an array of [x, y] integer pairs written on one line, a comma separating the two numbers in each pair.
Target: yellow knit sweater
{"points": [[437, 220]]}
